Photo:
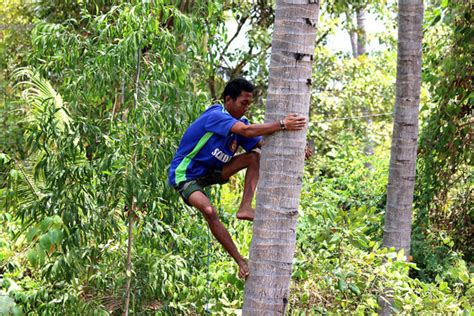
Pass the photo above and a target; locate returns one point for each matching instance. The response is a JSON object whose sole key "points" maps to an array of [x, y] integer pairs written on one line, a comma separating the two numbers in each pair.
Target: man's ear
{"points": [[227, 99]]}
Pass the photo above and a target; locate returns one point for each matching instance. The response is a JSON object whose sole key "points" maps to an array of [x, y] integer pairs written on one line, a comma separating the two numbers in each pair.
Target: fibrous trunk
{"points": [[352, 34], [281, 168], [361, 49], [401, 181], [361, 32]]}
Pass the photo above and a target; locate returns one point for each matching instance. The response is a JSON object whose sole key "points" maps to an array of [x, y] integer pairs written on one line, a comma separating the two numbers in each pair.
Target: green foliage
{"points": [[354, 97], [340, 268], [353, 284], [87, 163], [14, 44], [444, 217]]}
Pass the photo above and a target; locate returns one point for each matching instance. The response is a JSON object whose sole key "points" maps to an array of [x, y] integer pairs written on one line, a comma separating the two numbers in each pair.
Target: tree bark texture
{"points": [[352, 33], [282, 162], [353, 37], [361, 49], [361, 32], [401, 181]]}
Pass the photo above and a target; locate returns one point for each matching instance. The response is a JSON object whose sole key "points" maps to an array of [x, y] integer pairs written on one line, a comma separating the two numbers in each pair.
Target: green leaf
{"points": [[342, 285], [354, 289], [436, 19], [401, 254], [443, 286], [305, 298], [55, 236], [14, 174], [45, 223], [45, 242], [32, 233], [32, 257], [57, 220], [350, 274], [3, 158], [371, 302]]}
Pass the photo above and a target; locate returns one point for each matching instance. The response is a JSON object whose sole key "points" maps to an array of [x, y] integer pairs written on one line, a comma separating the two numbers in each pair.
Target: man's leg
{"points": [[251, 161], [202, 203]]}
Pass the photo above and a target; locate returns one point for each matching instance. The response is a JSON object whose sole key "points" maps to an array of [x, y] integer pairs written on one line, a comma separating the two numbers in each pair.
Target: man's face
{"points": [[238, 107]]}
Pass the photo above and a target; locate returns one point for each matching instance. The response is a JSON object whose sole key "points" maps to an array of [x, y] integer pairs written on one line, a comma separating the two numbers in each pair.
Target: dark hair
{"points": [[234, 88]]}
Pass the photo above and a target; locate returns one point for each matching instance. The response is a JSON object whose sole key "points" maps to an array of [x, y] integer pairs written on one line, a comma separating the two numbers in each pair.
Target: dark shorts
{"points": [[185, 188]]}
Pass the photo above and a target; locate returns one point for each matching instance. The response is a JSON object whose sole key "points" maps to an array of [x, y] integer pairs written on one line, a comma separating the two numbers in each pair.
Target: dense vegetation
{"points": [[95, 98]]}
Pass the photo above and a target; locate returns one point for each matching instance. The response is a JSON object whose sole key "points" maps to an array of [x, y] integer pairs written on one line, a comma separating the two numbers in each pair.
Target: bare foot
{"points": [[243, 269], [246, 213]]}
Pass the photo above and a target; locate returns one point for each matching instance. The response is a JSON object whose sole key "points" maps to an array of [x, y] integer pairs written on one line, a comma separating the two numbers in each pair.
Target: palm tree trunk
{"points": [[361, 32], [282, 162], [401, 181], [361, 49], [352, 33]]}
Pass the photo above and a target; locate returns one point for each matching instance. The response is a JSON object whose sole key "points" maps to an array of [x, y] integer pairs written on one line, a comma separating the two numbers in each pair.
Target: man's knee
{"points": [[254, 157], [210, 213]]}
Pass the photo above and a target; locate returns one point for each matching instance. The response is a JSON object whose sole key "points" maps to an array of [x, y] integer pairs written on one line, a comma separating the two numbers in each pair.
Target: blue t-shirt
{"points": [[208, 144]]}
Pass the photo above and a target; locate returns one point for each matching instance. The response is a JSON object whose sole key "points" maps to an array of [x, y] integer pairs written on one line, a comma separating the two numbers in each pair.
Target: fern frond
{"points": [[39, 94]]}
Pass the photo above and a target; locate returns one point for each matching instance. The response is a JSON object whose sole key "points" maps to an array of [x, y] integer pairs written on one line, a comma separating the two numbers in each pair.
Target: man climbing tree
{"points": [[205, 156]]}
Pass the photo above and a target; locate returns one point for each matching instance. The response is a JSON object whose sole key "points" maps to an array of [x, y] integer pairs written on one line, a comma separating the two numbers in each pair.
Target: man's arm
{"points": [[291, 122]]}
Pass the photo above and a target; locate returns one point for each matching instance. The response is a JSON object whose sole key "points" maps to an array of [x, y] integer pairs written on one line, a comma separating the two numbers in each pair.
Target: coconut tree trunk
{"points": [[401, 181], [352, 33], [281, 166], [353, 38], [361, 32], [361, 49]]}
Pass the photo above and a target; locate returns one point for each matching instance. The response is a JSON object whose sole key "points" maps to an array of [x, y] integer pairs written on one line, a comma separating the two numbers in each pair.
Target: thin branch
{"points": [[30, 183], [237, 32], [133, 206], [321, 38], [466, 123], [137, 78], [249, 56], [243, 63], [129, 257]]}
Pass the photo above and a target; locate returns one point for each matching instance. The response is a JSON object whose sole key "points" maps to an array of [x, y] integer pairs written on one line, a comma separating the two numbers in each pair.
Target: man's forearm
{"points": [[255, 130], [291, 122]]}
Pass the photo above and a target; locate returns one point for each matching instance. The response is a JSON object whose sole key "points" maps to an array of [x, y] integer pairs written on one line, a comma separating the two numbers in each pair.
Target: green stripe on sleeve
{"points": [[180, 172]]}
